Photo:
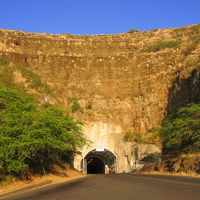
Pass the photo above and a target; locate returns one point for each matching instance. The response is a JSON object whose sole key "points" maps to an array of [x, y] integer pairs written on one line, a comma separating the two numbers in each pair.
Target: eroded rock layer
{"points": [[124, 84], [118, 79]]}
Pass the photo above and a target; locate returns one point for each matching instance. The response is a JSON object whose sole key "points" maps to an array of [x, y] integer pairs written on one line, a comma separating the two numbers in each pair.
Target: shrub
{"points": [[88, 106], [181, 131], [33, 137], [162, 45], [75, 104], [131, 136], [133, 30]]}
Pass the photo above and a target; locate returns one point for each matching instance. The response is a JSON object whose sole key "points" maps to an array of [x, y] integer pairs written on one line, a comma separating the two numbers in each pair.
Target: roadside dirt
{"points": [[184, 165], [70, 174], [171, 174]]}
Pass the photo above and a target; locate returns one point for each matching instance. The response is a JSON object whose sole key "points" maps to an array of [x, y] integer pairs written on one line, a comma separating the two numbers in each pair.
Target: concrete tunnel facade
{"points": [[107, 147]]}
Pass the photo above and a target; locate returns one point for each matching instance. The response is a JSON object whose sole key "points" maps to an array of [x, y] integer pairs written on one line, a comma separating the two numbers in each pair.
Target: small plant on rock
{"points": [[162, 45], [75, 104]]}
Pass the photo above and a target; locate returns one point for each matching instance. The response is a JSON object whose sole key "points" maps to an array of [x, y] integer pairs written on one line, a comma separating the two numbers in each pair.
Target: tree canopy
{"points": [[181, 131], [34, 136]]}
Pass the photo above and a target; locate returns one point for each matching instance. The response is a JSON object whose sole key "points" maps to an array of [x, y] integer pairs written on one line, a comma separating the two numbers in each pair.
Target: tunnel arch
{"points": [[97, 160]]}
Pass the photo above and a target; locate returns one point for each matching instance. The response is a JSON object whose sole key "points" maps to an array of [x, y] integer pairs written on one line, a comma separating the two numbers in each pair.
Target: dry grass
{"points": [[194, 155]]}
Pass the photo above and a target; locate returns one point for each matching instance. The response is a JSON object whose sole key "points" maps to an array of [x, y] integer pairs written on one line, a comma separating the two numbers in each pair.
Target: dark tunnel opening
{"points": [[99, 161], [95, 166]]}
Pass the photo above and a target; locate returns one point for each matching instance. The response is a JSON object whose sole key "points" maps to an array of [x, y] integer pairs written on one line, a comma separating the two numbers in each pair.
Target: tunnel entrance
{"points": [[99, 161], [95, 166]]}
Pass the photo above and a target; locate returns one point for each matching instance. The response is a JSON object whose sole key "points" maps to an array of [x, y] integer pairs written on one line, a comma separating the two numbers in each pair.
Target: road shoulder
{"points": [[22, 186]]}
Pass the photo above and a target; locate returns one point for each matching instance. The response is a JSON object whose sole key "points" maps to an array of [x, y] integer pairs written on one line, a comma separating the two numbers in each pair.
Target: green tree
{"points": [[181, 131], [33, 137]]}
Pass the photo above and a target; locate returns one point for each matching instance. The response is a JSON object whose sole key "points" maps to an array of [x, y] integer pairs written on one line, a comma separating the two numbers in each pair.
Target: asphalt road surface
{"points": [[118, 187]]}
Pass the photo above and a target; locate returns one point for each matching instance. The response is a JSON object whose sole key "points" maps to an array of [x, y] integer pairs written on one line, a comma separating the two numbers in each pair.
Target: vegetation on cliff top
{"points": [[181, 131], [133, 30], [162, 45]]}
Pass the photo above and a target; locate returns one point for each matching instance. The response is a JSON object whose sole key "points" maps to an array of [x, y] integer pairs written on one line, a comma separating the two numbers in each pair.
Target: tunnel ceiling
{"points": [[106, 155]]}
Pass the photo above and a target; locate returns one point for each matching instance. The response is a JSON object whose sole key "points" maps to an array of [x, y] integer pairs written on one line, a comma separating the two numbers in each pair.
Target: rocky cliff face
{"points": [[189, 165], [115, 80]]}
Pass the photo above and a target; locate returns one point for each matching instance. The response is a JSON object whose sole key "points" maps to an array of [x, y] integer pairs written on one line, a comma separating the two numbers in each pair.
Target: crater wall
{"points": [[125, 86]]}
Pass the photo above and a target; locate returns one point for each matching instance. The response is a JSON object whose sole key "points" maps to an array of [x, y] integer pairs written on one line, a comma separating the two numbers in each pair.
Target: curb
{"points": [[27, 188]]}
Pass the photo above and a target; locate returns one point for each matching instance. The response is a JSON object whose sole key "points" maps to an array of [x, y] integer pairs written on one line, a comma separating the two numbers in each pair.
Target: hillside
{"points": [[113, 74], [122, 83]]}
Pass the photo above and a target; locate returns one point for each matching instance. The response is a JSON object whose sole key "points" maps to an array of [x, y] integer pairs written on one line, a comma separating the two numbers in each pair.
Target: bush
{"points": [[181, 131], [133, 30], [33, 138], [162, 45], [88, 106], [131, 136], [75, 104]]}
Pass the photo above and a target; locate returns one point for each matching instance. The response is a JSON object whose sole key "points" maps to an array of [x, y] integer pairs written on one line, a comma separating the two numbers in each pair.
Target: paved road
{"points": [[118, 187]]}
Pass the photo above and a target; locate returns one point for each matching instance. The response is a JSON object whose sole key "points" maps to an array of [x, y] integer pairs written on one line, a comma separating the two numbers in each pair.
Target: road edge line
{"points": [[27, 188]]}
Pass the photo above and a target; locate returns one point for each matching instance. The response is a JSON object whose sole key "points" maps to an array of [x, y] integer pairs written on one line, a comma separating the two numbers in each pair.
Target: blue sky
{"points": [[96, 16]]}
